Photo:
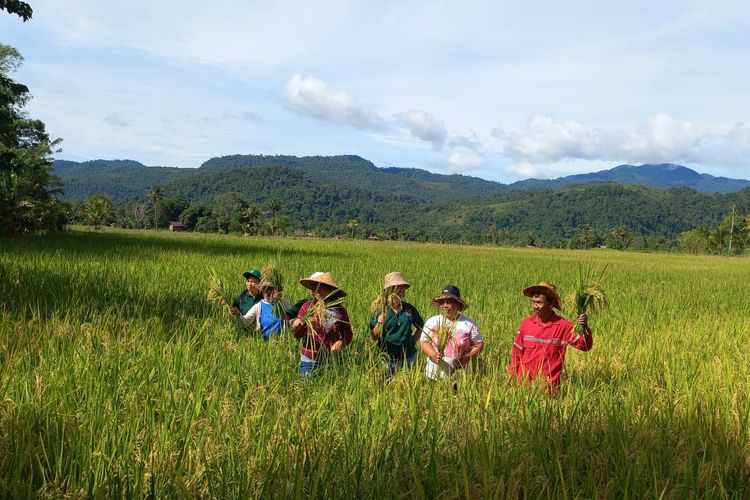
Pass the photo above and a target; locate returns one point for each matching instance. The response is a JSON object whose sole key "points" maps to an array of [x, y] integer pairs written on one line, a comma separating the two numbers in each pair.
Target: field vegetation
{"points": [[119, 378]]}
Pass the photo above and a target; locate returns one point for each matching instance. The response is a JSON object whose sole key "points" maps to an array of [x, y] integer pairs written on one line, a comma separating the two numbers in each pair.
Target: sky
{"points": [[493, 89]]}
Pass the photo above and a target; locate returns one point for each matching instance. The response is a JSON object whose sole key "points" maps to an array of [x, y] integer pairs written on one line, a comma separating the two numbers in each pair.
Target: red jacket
{"points": [[335, 327], [539, 348]]}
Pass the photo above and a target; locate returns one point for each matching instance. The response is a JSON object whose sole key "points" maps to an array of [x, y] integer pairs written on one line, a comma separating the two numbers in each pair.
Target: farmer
{"points": [[267, 321], [248, 298], [450, 340], [250, 295], [542, 338], [322, 324], [396, 325]]}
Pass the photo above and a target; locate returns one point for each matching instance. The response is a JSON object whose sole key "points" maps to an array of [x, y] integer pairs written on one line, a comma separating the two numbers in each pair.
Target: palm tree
{"points": [[251, 215], [585, 236], [351, 225], [156, 195], [98, 210], [273, 206]]}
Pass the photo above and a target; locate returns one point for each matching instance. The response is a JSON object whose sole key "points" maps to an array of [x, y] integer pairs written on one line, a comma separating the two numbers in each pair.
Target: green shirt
{"points": [[244, 302], [396, 334]]}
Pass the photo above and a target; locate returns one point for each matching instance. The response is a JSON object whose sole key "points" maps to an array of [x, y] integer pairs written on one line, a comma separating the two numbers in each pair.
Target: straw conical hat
{"points": [[326, 278]]}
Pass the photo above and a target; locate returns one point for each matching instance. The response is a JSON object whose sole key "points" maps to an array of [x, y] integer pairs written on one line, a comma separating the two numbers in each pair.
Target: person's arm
{"points": [[516, 354], [582, 341], [376, 325], [300, 329], [343, 329], [427, 346], [251, 316], [477, 344], [417, 322]]}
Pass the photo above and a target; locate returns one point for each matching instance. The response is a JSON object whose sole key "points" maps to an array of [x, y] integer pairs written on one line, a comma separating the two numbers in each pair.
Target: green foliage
{"points": [[98, 210], [21, 9], [27, 189]]}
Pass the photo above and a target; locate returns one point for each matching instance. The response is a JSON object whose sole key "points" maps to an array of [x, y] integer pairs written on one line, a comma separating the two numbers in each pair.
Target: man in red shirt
{"points": [[540, 344]]}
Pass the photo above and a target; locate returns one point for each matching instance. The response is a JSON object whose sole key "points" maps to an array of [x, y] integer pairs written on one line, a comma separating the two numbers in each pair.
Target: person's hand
{"points": [[337, 346], [277, 294], [234, 311], [583, 320], [381, 319], [297, 323], [223, 301], [436, 357]]}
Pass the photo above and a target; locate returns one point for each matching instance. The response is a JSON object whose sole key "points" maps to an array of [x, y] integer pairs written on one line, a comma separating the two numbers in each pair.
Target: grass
{"points": [[118, 378]]}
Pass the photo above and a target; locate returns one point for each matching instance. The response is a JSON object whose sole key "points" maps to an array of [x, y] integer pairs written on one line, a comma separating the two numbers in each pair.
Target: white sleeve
{"points": [[476, 335], [429, 327], [251, 317]]}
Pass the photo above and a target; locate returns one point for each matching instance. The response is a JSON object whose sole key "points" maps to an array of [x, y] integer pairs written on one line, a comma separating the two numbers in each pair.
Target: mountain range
{"points": [[122, 179]]}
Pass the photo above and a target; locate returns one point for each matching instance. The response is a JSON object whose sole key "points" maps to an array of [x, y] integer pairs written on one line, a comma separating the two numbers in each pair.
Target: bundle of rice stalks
{"points": [[589, 295], [385, 299], [271, 274], [444, 333], [318, 311], [217, 293]]}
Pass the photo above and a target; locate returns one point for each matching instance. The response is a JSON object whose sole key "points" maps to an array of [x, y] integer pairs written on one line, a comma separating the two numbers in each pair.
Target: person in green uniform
{"points": [[397, 329], [248, 298]]}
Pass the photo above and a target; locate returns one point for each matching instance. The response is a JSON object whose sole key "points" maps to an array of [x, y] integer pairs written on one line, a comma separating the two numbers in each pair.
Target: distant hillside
{"points": [[117, 179], [355, 172], [663, 175], [322, 193]]}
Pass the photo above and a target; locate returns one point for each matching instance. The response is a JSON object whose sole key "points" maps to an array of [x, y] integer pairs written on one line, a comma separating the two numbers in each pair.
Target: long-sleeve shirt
{"points": [[539, 348], [264, 319], [334, 327]]}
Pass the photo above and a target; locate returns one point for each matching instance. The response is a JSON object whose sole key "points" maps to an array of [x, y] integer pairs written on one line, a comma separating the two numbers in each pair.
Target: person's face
{"points": [[399, 291], [541, 305], [268, 293], [322, 291], [449, 307], [250, 285]]}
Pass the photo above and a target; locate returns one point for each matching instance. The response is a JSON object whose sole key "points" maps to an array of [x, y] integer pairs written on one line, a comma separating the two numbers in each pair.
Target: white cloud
{"points": [[460, 162], [662, 139], [424, 126], [311, 96]]}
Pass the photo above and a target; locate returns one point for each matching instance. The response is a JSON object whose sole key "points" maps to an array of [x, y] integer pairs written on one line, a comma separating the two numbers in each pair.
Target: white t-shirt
{"points": [[464, 334]]}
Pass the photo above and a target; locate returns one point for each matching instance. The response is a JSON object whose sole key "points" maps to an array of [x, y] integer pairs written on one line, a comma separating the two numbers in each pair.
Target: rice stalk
{"points": [[589, 295], [217, 293]]}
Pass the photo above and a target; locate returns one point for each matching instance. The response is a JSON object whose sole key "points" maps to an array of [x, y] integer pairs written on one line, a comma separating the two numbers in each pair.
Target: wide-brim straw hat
{"points": [[547, 289], [394, 279], [326, 278], [450, 292], [266, 284]]}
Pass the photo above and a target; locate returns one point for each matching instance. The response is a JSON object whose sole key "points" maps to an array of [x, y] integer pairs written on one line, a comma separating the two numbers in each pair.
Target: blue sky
{"points": [[499, 90]]}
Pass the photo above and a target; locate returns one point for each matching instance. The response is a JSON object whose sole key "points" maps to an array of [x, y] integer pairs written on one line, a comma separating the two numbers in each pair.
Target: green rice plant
{"points": [[589, 295]]}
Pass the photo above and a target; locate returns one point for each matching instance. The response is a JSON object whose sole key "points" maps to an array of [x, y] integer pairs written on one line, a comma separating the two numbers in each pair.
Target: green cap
{"points": [[255, 273]]}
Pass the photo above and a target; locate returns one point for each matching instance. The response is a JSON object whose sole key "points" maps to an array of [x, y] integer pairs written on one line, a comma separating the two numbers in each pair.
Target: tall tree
{"points": [[156, 196], [274, 205], [27, 188], [250, 217]]}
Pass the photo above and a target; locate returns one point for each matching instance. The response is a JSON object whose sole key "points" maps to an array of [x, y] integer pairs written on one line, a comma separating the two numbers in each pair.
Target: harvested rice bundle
{"points": [[589, 295]]}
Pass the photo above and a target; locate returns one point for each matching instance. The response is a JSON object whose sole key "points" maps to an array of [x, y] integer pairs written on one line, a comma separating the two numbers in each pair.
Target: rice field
{"points": [[119, 379]]}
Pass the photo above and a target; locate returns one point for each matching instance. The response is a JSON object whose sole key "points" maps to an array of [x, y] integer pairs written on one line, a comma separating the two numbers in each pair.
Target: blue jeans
{"points": [[406, 362], [308, 367]]}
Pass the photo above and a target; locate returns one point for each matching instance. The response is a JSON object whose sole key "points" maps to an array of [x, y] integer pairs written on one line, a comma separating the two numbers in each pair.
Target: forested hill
{"points": [[354, 172], [664, 175]]}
